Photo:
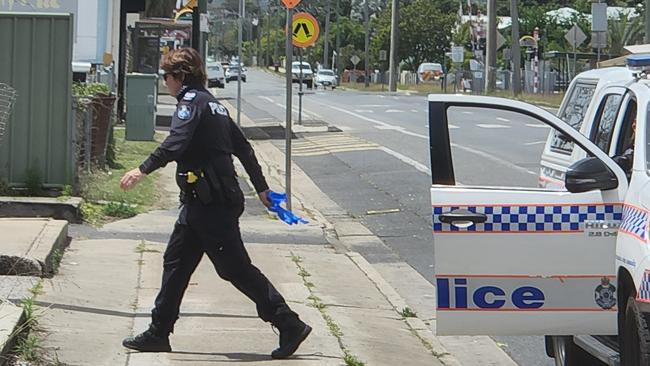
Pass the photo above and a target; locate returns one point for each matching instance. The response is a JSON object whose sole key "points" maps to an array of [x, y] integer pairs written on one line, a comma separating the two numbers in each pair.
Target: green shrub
{"points": [[120, 210]]}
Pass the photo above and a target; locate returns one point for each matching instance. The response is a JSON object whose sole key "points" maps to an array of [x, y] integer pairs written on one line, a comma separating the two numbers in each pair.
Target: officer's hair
{"points": [[187, 65]]}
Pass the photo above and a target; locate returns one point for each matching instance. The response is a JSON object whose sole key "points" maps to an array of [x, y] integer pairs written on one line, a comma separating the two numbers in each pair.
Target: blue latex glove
{"points": [[276, 199]]}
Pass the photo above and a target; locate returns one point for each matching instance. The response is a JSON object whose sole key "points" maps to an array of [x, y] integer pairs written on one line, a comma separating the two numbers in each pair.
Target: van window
{"points": [[604, 127], [573, 114]]}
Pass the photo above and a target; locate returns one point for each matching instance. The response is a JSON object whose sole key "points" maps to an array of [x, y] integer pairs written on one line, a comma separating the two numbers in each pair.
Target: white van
{"points": [[576, 108]]}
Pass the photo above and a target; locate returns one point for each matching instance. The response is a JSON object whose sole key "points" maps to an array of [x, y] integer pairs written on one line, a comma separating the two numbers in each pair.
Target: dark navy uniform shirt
{"points": [[203, 133]]}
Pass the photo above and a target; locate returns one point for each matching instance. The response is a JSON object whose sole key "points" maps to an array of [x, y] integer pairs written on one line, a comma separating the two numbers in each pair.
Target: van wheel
{"points": [[635, 336], [568, 353]]}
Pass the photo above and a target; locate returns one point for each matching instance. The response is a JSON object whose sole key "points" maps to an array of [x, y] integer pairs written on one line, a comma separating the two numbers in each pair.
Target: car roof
{"points": [[611, 74]]}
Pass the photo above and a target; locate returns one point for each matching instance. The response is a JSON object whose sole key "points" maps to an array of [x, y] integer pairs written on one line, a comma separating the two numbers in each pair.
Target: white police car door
{"points": [[516, 260]]}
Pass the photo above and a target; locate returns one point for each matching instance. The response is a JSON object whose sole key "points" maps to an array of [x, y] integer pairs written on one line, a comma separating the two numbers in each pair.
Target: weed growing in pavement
{"points": [[408, 313], [335, 330], [55, 260], [37, 289], [351, 360], [142, 248], [28, 347]]}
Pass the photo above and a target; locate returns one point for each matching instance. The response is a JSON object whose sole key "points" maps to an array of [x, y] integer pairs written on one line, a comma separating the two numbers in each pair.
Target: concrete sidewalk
{"points": [[107, 283]]}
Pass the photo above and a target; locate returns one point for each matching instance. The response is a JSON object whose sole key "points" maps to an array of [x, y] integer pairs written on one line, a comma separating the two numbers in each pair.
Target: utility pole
{"points": [[516, 52], [394, 61], [326, 42], [268, 38], [339, 72], [287, 126], [242, 11], [367, 41], [647, 21], [491, 57]]}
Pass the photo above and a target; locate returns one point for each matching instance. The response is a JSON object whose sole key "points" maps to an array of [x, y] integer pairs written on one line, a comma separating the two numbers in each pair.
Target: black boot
{"points": [[151, 340], [292, 332]]}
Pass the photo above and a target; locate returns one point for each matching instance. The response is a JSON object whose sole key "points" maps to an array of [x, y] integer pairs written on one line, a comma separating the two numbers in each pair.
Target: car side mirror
{"points": [[589, 174]]}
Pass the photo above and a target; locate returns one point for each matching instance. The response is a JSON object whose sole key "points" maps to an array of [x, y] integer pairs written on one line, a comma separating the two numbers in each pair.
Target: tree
{"points": [[624, 31], [425, 32]]}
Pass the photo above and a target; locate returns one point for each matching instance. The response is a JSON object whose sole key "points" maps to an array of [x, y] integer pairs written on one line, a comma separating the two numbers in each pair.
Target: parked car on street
{"points": [[216, 75], [325, 77], [233, 71], [307, 73]]}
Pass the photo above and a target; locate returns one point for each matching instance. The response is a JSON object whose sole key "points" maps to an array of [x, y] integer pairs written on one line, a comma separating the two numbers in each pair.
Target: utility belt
{"points": [[207, 187]]}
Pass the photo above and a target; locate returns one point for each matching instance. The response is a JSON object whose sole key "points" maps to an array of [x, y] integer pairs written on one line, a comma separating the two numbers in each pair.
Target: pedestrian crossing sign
{"points": [[305, 30]]}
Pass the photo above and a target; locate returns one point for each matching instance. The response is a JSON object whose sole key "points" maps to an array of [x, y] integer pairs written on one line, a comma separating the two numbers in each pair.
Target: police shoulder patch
{"points": [[189, 96], [218, 108], [184, 112]]}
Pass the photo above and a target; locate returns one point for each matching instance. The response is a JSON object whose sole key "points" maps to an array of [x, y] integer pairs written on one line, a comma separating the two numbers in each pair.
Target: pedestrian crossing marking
{"points": [[331, 143]]}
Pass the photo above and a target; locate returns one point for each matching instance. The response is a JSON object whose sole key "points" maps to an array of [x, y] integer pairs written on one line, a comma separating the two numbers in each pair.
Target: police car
{"points": [[579, 109], [570, 262]]}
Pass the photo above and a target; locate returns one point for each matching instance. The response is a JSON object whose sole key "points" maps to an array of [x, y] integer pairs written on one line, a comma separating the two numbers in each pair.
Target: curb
{"points": [[55, 208], [12, 318], [416, 324]]}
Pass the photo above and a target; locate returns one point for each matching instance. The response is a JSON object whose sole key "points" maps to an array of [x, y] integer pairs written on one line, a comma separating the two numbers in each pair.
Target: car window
{"points": [[500, 148], [607, 113], [573, 114]]}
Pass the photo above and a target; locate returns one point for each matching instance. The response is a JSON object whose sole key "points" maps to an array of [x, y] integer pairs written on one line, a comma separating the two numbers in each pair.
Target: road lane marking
{"points": [[387, 127], [535, 143], [467, 149], [503, 119], [394, 111], [414, 110], [421, 167], [537, 125], [467, 112], [489, 125], [364, 111]]}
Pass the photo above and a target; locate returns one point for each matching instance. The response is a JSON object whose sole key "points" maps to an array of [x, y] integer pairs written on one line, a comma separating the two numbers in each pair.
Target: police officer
{"points": [[202, 140]]}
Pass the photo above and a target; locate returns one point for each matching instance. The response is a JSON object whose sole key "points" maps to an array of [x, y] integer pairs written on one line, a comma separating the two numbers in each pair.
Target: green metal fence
{"points": [[36, 61]]}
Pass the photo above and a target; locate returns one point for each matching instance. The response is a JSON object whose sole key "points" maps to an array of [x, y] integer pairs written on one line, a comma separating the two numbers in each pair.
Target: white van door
{"points": [[517, 260]]}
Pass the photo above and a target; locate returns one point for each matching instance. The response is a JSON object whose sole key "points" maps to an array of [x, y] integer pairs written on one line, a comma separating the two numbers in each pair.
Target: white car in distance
{"points": [[326, 77]]}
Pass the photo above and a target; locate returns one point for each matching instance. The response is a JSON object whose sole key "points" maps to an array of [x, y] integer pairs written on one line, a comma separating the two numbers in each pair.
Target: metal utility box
{"points": [[141, 99]]}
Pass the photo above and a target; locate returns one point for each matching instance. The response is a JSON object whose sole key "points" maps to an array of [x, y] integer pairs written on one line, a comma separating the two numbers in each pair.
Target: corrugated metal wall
{"points": [[36, 60]]}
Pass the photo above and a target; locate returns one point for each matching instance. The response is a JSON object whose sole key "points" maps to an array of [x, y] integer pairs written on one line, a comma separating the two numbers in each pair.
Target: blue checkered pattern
{"points": [[635, 222], [530, 218], [644, 289]]}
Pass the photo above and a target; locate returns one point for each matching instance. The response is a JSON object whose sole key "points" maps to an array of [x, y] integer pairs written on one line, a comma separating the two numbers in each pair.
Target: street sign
{"points": [[383, 55], [305, 30], [527, 41], [500, 40], [204, 24], [457, 54], [355, 60], [507, 54], [599, 17], [599, 40], [575, 36], [290, 4]]}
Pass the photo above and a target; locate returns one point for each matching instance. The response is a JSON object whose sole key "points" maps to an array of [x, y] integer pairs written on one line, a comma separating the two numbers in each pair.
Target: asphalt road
{"points": [[377, 167]]}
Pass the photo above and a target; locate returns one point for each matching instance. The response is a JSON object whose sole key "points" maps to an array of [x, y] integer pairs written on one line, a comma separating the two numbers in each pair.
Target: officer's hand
{"points": [[131, 178], [264, 198]]}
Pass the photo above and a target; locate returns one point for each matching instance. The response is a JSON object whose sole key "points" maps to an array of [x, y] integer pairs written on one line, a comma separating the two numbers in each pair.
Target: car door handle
{"points": [[461, 215]]}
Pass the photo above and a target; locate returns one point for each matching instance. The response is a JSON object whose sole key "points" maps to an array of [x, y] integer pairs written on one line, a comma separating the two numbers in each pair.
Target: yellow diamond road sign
{"points": [[305, 30]]}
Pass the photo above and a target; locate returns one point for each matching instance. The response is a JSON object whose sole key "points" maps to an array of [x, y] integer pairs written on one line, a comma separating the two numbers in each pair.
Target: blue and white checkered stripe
{"points": [[644, 289], [530, 218], [635, 222]]}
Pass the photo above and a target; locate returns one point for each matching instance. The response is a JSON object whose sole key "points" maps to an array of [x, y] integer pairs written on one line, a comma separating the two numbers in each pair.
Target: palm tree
{"points": [[624, 31]]}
